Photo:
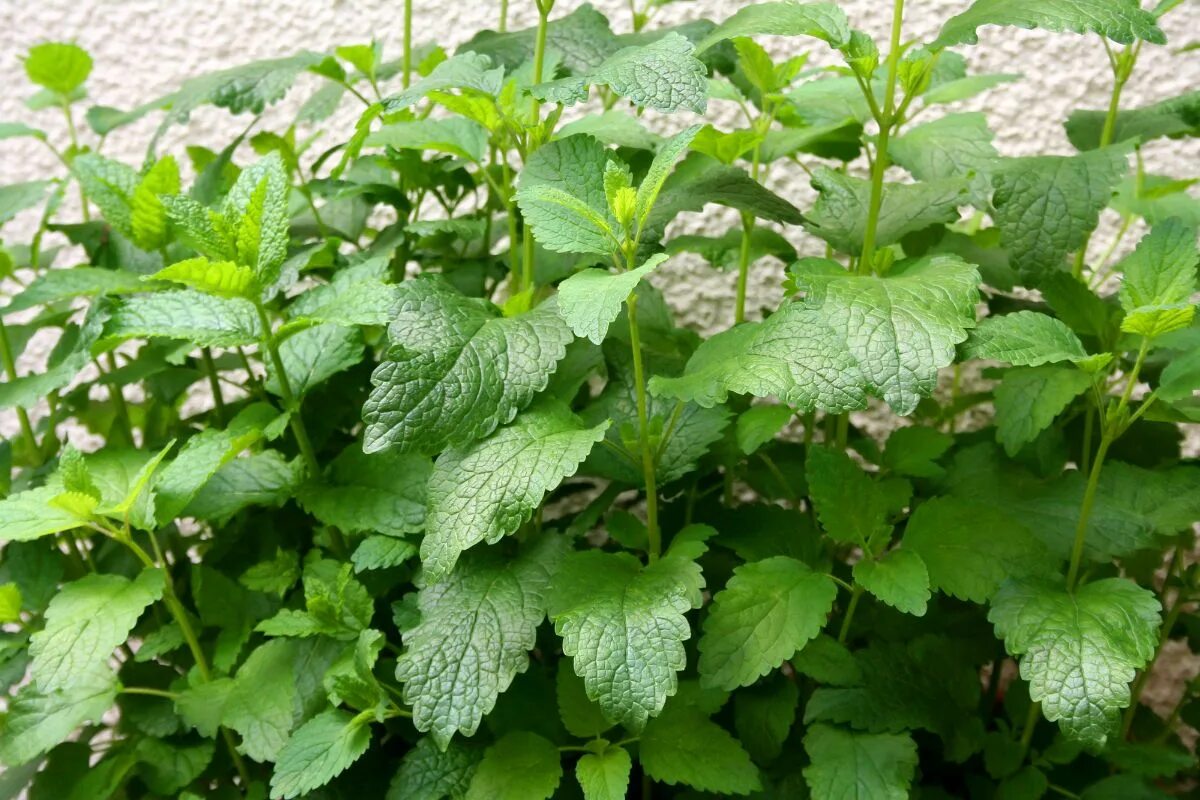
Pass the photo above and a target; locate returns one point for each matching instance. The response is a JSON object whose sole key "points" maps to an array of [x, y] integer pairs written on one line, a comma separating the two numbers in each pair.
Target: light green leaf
{"points": [[794, 355], [840, 214], [110, 185], [1079, 651], [966, 87], [61, 67], [85, 622], [10, 602], [1026, 339], [222, 278], [318, 752], [563, 223], [684, 746], [196, 317], [477, 627], [1174, 118], [455, 136], [970, 548], [851, 506], [56, 285], [382, 493], [460, 71], [659, 170], [1029, 399], [624, 627], [148, 217], [486, 490], [37, 721], [429, 773], [903, 328], [760, 424], [825, 21], [858, 766], [591, 299], [313, 355], [455, 370], [29, 514], [767, 611], [1159, 280], [571, 168], [381, 552], [256, 209], [898, 578], [1122, 21], [1045, 206], [580, 715], [954, 146], [604, 775], [265, 478], [521, 766]]}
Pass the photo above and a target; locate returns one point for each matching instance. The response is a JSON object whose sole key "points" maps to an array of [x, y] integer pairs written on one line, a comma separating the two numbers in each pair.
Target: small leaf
{"points": [[61, 67], [196, 317], [319, 751], [899, 578], [824, 21], [1159, 280], [428, 773], [850, 505], [1029, 399], [591, 299], [1027, 339], [684, 746], [604, 775], [859, 765], [521, 766], [222, 278]]}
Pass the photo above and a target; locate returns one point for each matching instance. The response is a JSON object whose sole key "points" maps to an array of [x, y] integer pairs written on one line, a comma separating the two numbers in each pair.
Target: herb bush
{"points": [[405, 483]]}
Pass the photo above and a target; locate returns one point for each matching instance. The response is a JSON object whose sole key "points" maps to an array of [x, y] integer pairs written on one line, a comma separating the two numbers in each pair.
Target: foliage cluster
{"points": [[411, 487]]}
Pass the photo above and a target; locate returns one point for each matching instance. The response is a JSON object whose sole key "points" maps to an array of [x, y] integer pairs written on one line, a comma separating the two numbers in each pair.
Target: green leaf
{"points": [[1045, 206], [1122, 21], [828, 661], [37, 721], [590, 300], [256, 208], [381, 552], [85, 622], [1159, 280], [318, 752], [61, 67], [840, 213], [580, 715], [759, 425], [1026, 339], [970, 548], [148, 217], [624, 627], [460, 71], [382, 493], [899, 578], [966, 87], [265, 478], [699, 180], [903, 328], [763, 716], [275, 575], [429, 773], [1175, 117], [196, 317], [684, 746], [851, 507], [1029, 399], [313, 355], [57, 285], [456, 371], [29, 514], [582, 37], [858, 766], [455, 136], [486, 490], [10, 602], [794, 355], [477, 627], [222, 278], [612, 127], [561, 196], [767, 611], [954, 146], [913, 451], [604, 775], [110, 185], [1079, 651], [825, 21], [521, 766]]}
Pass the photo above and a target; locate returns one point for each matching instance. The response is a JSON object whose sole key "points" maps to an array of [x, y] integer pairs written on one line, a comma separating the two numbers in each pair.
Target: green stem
{"points": [[885, 121], [844, 631], [1031, 721], [214, 384], [149, 691], [10, 367], [648, 472], [1111, 429], [539, 52], [503, 26], [407, 43], [74, 137], [118, 398], [295, 421], [739, 311]]}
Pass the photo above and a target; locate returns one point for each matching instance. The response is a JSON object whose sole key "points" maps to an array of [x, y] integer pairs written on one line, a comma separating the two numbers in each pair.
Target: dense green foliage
{"points": [[400, 480]]}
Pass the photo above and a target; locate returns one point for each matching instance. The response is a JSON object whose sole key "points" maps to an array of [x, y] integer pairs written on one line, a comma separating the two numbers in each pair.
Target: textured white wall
{"points": [[145, 48]]}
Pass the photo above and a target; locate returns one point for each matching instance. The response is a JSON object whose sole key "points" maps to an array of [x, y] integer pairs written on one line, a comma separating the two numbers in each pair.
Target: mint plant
{"points": [[379, 466]]}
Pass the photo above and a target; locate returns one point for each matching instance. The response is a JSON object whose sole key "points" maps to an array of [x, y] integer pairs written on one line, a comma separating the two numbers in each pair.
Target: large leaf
{"points": [[85, 622], [624, 627], [196, 317], [382, 492], [319, 751], [591, 299], [429, 773], [520, 766], [30, 514], [36, 721], [486, 490], [1026, 339], [684, 746], [1045, 206], [1178, 116], [1029, 399], [477, 627], [767, 611], [858, 766], [954, 146], [455, 371], [824, 21], [1122, 21], [1079, 651], [851, 506]]}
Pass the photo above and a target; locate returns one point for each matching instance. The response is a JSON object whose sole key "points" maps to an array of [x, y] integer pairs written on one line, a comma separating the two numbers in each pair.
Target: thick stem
{"points": [[407, 43], [648, 471], [539, 51], [10, 367], [214, 383], [739, 311], [503, 26], [885, 121]]}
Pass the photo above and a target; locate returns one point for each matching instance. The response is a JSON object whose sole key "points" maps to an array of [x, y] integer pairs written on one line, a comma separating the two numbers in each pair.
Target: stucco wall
{"points": [[145, 48]]}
